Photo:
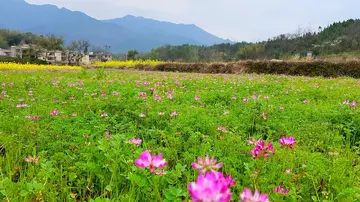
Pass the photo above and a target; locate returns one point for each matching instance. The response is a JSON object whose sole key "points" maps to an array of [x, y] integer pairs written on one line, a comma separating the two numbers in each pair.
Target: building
{"points": [[100, 56], [5, 52], [53, 56]]}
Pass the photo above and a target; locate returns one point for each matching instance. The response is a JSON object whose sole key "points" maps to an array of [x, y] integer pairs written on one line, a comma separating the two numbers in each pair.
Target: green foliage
{"points": [[337, 38], [88, 158]]}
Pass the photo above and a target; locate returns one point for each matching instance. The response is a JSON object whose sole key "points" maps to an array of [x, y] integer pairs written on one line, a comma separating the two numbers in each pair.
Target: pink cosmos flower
{"points": [[172, 114], [196, 98], [233, 97], [247, 196], [54, 83], [72, 98], [151, 89], [177, 83], [281, 190], [32, 159], [266, 97], [287, 141], [157, 98], [104, 115], [135, 141], [353, 104], [146, 83], [73, 114], [286, 93], [245, 99], [152, 161], [210, 187], [3, 84], [253, 97], [287, 171], [115, 93], [262, 150], [346, 102], [103, 94], [54, 113], [206, 164]]}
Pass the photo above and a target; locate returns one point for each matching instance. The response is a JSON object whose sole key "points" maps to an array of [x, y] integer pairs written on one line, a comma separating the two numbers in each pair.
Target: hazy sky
{"points": [[248, 20]]}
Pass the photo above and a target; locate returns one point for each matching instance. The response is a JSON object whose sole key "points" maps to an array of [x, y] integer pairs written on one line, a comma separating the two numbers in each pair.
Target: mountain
{"points": [[166, 29], [121, 34]]}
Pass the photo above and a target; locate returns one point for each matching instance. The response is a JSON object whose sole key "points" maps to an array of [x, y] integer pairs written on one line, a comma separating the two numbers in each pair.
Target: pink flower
{"points": [[160, 172], [210, 187], [245, 99], [135, 141], [262, 150], [233, 97], [346, 102], [21, 105], [73, 114], [353, 104], [93, 94], [253, 141], [108, 136], [151, 89], [306, 101], [287, 171], [287, 141], [3, 84], [266, 97], [72, 98], [115, 93], [152, 161], [142, 115], [247, 196], [207, 164], [222, 129], [281, 190], [32, 159], [141, 94], [104, 115], [170, 96], [281, 108], [253, 97], [54, 113], [35, 118], [172, 114], [196, 98], [146, 83], [157, 98], [103, 94], [286, 93], [178, 83]]}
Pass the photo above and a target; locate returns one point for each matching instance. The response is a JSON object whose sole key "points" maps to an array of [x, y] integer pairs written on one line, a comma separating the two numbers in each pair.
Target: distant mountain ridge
{"points": [[121, 34]]}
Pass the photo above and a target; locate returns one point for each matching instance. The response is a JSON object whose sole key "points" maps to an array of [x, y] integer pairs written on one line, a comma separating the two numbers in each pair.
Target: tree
{"points": [[131, 55], [77, 50]]}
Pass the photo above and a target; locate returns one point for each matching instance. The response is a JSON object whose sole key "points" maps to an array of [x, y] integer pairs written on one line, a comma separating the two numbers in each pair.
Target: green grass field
{"points": [[74, 129]]}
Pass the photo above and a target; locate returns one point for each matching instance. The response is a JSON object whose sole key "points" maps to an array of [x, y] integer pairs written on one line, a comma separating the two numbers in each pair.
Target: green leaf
{"points": [[108, 188]]}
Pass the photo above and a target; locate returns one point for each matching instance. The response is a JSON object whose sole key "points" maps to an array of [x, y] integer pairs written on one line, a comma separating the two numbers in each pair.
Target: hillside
{"points": [[339, 37], [49, 19]]}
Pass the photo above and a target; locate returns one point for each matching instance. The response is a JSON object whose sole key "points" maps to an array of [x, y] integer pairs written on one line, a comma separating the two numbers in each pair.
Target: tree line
{"points": [[336, 38]]}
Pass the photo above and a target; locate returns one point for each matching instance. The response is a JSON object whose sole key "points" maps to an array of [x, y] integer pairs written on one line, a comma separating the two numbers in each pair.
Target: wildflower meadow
{"points": [[105, 135]]}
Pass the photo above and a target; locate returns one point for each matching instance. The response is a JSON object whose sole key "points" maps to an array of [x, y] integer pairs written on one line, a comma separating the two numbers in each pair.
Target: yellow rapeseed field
{"points": [[117, 63], [16, 66]]}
